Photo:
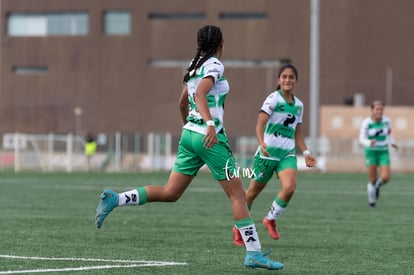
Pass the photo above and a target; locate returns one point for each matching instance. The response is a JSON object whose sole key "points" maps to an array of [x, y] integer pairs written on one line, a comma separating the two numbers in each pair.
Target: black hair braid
{"points": [[192, 65], [215, 42], [209, 39]]}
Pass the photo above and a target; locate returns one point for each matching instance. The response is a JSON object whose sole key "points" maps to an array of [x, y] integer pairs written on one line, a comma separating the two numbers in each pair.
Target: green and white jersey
{"points": [[379, 131], [215, 98], [279, 133]]}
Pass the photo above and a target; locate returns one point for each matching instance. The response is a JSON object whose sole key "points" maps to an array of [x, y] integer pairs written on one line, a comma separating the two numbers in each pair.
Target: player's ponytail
{"points": [[209, 39]]}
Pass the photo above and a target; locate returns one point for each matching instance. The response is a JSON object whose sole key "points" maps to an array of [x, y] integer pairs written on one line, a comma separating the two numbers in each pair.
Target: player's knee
{"points": [[251, 195], [289, 190], [385, 179], [170, 196]]}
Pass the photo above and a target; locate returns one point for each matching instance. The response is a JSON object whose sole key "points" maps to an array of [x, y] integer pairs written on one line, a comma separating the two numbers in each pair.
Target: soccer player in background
{"points": [[375, 135], [90, 149], [278, 132], [203, 141]]}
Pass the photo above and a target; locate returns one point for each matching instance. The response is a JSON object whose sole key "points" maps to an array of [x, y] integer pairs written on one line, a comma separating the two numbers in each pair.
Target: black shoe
{"points": [[372, 204]]}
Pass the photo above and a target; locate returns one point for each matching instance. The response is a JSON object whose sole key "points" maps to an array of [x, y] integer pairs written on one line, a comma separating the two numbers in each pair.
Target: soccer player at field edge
{"points": [[278, 132], [203, 141], [90, 149], [375, 135]]}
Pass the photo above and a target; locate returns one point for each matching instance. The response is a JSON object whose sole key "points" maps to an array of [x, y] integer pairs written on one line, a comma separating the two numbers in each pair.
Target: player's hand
{"points": [[310, 160], [263, 150], [395, 146], [210, 138]]}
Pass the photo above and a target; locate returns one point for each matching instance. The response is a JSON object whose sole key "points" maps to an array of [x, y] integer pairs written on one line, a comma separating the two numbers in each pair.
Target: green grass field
{"points": [[47, 226]]}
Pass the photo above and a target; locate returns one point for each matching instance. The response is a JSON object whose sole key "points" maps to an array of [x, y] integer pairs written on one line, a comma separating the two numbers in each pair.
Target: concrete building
{"points": [[104, 65]]}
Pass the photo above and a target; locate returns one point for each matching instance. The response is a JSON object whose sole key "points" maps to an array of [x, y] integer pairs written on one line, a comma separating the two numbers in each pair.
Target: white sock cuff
{"points": [[371, 193], [128, 198]]}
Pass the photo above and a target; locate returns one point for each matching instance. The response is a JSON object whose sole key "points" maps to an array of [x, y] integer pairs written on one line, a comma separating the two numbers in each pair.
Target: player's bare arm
{"points": [[183, 105], [262, 120], [310, 160]]}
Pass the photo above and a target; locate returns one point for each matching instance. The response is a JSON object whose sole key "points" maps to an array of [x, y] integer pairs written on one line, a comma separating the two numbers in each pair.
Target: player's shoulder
{"points": [[213, 61], [386, 119], [298, 102], [274, 96], [272, 99], [366, 121], [213, 66]]}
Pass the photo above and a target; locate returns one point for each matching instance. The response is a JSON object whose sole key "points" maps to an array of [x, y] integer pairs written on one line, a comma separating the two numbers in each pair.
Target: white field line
{"points": [[83, 268], [128, 264]]}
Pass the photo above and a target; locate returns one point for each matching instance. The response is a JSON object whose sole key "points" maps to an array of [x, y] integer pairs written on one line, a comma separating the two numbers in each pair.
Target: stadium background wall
{"points": [[111, 79]]}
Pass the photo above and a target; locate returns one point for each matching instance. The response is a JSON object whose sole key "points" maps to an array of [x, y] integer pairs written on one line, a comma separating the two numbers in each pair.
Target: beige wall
{"points": [[344, 122], [340, 126]]}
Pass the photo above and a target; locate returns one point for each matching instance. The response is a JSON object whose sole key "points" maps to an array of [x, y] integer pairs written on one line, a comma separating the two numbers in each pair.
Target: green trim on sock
{"points": [[244, 222], [143, 196], [281, 202]]}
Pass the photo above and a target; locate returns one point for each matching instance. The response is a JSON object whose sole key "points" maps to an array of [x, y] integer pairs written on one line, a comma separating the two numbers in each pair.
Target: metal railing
{"points": [[156, 151]]}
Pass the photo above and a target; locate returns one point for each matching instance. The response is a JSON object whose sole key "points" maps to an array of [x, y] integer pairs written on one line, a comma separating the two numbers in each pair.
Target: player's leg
{"points": [[261, 176], [235, 192], [385, 174], [263, 171], [372, 191], [287, 173], [185, 168], [221, 162], [384, 171], [170, 192], [252, 192], [371, 162], [384, 163], [255, 188], [244, 223]]}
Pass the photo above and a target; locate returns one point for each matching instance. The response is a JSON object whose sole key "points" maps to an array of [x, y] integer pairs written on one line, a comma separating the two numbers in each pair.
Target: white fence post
{"points": [[16, 153], [69, 153], [167, 153], [50, 148], [150, 144], [117, 151]]}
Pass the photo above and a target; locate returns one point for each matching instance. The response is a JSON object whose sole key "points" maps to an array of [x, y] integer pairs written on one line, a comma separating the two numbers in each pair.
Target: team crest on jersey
{"points": [[299, 110]]}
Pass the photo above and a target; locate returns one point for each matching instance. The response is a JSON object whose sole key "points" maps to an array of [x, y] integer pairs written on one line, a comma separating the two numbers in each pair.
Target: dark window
{"points": [[30, 69], [177, 16], [242, 16]]}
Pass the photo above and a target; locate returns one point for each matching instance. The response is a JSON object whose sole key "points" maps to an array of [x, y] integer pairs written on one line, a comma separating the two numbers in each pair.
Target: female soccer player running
{"points": [[278, 131], [375, 135], [203, 141]]}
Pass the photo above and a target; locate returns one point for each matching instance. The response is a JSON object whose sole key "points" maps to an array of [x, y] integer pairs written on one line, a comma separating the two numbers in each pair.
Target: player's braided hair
{"points": [[209, 39]]}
